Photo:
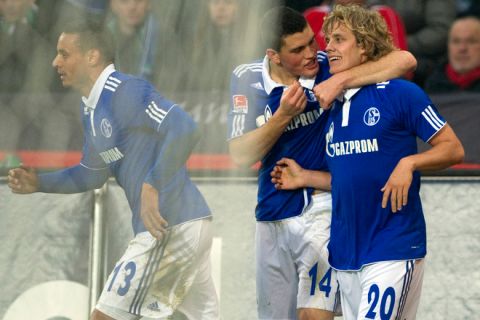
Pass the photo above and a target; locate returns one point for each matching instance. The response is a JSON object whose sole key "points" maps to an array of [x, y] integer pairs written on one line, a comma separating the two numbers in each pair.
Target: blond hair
{"points": [[368, 27]]}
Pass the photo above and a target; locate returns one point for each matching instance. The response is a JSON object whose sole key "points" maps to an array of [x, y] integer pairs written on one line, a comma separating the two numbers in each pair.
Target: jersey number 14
{"points": [[324, 284]]}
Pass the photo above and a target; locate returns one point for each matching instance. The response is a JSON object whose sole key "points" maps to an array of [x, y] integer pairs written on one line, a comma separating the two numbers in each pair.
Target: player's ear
{"points": [[94, 57], [273, 56]]}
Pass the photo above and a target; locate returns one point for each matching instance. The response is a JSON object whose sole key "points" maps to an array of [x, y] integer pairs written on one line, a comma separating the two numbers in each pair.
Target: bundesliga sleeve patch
{"points": [[240, 104]]}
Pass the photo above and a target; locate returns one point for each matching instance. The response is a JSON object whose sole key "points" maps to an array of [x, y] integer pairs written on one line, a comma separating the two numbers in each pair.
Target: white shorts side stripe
{"points": [[137, 301], [148, 273], [407, 280]]}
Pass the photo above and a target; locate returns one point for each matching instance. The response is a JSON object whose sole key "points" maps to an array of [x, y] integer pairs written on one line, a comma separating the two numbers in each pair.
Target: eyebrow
{"points": [[303, 46]]}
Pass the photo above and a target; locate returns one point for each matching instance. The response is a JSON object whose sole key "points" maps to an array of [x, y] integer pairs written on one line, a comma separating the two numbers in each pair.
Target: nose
{"points": [[55, 62], [329, 46], [311, 51]]}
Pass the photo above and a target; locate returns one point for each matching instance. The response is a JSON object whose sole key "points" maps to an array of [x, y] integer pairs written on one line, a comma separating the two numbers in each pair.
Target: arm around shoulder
{"points": [[395, 64]]}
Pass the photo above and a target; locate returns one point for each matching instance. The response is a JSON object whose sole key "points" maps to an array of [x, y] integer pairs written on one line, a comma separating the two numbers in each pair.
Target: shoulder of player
{"points": [[393, 86], [133, 93], [128, 82], [322, 56], [129, 89], [248, 70]]}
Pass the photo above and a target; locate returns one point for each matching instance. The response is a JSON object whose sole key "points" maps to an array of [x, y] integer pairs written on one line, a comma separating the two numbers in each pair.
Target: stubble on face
{"points": [[298, 54]]}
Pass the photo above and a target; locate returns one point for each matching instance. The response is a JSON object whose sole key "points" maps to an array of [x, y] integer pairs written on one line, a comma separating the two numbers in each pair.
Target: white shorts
{"points": [[292, 263], [155, 278], [384, 290]]}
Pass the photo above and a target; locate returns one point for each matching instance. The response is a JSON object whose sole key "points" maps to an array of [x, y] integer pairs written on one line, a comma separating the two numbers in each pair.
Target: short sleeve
{"points": [[243, 113], [420, 115]]}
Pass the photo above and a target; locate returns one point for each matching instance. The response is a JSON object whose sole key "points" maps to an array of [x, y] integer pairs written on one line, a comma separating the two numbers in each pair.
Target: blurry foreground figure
{"points": [[133, 133]]}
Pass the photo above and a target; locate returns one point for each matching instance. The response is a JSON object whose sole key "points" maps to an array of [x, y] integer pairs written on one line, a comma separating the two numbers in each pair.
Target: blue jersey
{"points": [[255, 97], [138, 136], [364, 143]]}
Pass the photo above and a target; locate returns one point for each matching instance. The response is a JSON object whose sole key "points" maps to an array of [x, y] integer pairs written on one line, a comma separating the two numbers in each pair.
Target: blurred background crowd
{"points": [[188, 49]]}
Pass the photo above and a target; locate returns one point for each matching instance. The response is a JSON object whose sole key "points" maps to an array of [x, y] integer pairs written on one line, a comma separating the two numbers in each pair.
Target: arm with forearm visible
{"points": [[72, 180], [446, 150], [75, 179], [254, 145], [395, 64], [288, 175]]}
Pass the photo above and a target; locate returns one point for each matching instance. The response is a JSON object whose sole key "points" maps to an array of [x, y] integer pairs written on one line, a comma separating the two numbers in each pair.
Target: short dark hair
{"points": [[278, 23], [92, 35]]}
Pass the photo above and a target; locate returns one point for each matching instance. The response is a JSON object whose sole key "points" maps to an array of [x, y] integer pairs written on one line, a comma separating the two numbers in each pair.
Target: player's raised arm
{"points": [[254, 145], [393, 65]]}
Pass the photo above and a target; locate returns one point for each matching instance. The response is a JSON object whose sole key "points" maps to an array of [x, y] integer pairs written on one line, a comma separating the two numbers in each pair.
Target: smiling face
{"points": [[71, 63], [343, 50], [298, 54]]}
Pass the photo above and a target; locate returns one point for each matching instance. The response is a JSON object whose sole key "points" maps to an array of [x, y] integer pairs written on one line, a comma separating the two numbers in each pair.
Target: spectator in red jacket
{"points": [[462, 71]]}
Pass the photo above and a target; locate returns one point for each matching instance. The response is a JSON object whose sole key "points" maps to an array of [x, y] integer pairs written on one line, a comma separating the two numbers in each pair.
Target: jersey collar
{"points": [[91, 102], [349, 93], [269, 84]]}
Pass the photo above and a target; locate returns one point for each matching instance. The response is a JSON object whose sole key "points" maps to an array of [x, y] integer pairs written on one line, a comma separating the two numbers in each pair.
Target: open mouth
{"points": [[311, 64]]}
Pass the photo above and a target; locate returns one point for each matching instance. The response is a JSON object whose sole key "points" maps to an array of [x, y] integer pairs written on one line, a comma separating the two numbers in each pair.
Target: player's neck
{"points": [[89, 82], [280, 75]]}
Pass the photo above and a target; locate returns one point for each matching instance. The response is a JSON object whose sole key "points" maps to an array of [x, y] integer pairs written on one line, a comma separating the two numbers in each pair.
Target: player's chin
{"points": [[336, 69], [66, 83], [310, 72]]}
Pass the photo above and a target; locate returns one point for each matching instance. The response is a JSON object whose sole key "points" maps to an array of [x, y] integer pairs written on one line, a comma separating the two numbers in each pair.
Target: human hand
{"points": [[327, 90], [287, 175], [23, 180], [397, 186], [293, 101], [150, 213]]}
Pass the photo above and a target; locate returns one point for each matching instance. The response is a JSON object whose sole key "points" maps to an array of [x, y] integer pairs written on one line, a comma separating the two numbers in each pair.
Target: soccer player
{"points": [[378, 233], [276, 113], [133, 133]]}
